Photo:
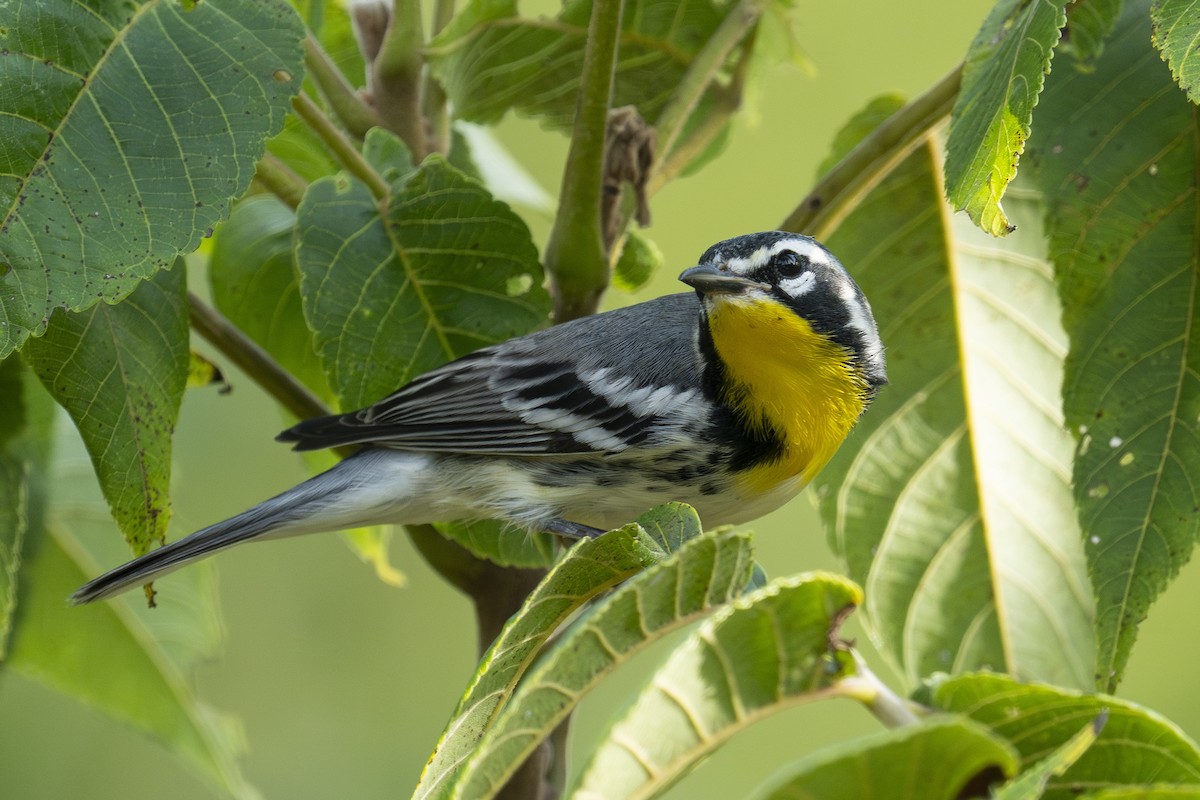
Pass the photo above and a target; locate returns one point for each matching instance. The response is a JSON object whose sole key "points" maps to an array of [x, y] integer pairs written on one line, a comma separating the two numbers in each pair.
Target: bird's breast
{"points": [[784, 379]]}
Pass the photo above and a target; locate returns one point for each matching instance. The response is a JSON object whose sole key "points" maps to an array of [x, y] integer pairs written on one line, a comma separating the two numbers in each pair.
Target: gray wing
{"points": [[600, 384]]}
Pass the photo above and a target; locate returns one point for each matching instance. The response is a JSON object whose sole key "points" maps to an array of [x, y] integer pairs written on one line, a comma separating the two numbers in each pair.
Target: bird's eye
{"points": [[788, 264]]}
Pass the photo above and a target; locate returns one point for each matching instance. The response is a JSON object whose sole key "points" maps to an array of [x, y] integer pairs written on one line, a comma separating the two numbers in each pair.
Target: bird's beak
{"points": [[708, 279]]}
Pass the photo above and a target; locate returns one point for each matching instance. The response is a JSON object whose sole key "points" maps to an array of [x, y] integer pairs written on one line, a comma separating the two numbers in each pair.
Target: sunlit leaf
{"points": [[951, 501], [1137, 746], [128, 129], [1119, 178], [1177, 36], [934, 759], [1003, 75], [589, 568], [1033, 781], [765, 652], [706, 572], [640, 258], [120, 372]]}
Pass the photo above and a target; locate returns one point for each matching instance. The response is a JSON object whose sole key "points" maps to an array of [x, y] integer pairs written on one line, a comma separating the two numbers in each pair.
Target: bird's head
{"points": [[791, 273]]}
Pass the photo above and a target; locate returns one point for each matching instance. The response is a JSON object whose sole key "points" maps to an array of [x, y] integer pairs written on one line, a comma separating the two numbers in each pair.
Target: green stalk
{"points": [[865, 687], [703, 72], [433, 96], [280, 180], [873, 158], [396, 77], [243, 351], [346, 103], [575, 254], [339, 146]]}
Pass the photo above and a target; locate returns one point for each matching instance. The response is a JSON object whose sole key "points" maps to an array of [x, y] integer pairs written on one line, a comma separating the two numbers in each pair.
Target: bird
{"points": [[729, 397]]}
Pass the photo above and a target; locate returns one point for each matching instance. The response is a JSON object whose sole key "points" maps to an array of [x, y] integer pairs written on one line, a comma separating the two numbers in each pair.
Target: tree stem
{"points": [[873, 158], [253, 360], [575, 255], [347, 104], [396, 77]]}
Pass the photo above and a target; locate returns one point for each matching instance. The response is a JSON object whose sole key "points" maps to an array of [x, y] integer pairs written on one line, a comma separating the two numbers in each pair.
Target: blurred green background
{"points": [[342, 684]]}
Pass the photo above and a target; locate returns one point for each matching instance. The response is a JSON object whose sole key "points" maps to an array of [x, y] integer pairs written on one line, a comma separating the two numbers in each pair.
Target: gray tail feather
{"points": [[295, 511]]}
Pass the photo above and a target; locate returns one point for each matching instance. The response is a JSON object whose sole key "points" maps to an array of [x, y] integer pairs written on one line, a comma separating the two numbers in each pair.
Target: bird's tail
{"points": [[317, 504]]}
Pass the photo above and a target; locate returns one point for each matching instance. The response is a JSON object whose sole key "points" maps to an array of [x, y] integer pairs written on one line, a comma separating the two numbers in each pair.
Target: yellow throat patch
{"points": [[784, 376]]}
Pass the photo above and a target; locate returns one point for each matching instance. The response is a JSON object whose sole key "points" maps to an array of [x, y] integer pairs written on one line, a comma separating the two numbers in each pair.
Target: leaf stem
{"points": [[575, 255], [865, 687], [703, 72], [347, 104], [280, 180], [396, 77], [872, 158], [341, 147], [433, 96], [256, 362]]}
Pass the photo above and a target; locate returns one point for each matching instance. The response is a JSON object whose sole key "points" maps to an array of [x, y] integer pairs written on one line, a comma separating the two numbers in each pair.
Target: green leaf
{"points": [[130, 127], [640, 258], [951, 501], [858, 127], [1032, 783], [25, 441], [935, 759], [501, 544], [1147, 792], [120, 372], [1089, 24], [14, 519], [588, 569], [127, 661], [491, 60], [765, 652], [1136, 746], [254, 284], [706, 572], [1119, 181], [446, 271], [1177, 36], [1003, 75]]}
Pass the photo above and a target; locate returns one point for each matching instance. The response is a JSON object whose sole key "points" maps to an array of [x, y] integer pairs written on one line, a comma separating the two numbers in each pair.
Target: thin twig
{"points": [[341, 147], [703, 72], [873, 157], [433, 96], [280, 180], [253, 360], [396, 77]]}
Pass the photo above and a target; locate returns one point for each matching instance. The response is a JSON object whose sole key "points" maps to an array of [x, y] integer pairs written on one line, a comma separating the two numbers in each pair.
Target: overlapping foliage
{"points": [[1012, 507]]}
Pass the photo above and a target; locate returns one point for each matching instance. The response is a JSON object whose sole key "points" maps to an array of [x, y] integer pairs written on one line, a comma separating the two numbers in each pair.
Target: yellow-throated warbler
{"points": [[729, 398]]}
